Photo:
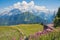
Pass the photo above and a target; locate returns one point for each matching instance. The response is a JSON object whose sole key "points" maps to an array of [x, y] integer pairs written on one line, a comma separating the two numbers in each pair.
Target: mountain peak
{"points": [[14, 12]]}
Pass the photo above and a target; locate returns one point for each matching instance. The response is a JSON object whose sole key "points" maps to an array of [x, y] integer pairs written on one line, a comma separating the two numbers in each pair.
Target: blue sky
{"points": [[50, 4]]}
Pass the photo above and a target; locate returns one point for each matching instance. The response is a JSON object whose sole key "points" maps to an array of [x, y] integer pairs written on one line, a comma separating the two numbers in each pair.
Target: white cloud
{"points": [[17, 5], [40, 8], [24, 3], [24, 6], [31, 3]]}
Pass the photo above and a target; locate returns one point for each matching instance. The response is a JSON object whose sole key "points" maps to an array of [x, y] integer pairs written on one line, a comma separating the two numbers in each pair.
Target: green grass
{"points": [[16, 31], [7, 33], [30, 28]]}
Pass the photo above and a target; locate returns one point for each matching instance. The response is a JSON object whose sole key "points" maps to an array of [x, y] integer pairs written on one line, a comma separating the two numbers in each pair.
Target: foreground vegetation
{"points": [[18, 32], [54, 35]]}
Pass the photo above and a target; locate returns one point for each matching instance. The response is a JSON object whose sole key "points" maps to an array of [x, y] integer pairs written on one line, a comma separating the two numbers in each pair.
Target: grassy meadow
{"points": [[17, 32]]}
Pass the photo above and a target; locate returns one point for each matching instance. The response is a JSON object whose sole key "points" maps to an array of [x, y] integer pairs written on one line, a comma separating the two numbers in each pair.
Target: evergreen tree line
{"points": [[57, 19]]}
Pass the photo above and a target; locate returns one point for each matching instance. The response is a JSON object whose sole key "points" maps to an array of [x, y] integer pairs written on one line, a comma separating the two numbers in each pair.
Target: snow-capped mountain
{"points": [[23, 13], [17, 17]]}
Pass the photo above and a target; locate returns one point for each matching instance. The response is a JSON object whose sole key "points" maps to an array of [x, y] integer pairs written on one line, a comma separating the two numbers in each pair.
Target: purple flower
{"points": [[21, 38]]}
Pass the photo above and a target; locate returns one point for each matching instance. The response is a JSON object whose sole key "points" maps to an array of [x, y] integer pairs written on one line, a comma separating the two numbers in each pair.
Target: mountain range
{"points": [[15, 16]]}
